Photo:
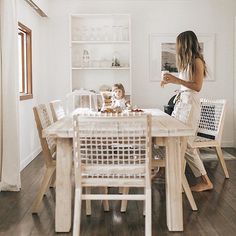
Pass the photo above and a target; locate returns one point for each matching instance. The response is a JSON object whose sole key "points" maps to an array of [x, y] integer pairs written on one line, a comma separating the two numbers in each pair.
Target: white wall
{"points": [[42, 4], [202, 16], [29, 141], [235, 81], [51, 57]]}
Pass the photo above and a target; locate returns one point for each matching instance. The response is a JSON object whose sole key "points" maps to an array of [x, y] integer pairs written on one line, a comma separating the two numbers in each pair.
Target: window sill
{"points": [[25, 96]]}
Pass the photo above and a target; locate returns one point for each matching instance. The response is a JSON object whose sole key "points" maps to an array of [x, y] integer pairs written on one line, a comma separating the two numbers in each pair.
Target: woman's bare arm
{"points": [[197, 80]]}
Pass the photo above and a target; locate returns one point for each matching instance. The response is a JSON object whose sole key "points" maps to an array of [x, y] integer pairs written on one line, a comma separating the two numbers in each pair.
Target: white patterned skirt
{"points": [[187, 108]]}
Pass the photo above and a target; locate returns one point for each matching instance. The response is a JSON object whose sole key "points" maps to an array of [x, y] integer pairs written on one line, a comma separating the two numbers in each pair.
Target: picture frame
{"points": [[162, 54]]}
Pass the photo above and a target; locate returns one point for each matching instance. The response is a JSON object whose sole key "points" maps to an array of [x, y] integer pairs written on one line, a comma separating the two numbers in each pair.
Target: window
{"points": [[25, 62]]}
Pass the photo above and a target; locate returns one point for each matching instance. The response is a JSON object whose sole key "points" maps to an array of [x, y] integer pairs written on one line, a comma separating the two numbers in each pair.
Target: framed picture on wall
{"points": [[162, 54]]}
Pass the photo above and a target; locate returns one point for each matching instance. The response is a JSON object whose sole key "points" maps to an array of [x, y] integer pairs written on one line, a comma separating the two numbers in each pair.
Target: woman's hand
{"points": [[169, 78], [194, 84]]}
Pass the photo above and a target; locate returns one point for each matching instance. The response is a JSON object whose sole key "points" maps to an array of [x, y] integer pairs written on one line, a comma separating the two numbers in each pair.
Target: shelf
{"points": [[100, 68], [100, 15], [99, 94], [99, 42]]}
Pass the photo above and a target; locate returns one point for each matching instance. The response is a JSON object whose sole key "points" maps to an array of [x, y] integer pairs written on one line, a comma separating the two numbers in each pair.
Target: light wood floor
{"points": [[216, 215]]}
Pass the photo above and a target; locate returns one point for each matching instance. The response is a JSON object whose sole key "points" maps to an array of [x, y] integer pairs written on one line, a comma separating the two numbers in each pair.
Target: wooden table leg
{"points": [[174, 206], [63, 185], [185, 184]]}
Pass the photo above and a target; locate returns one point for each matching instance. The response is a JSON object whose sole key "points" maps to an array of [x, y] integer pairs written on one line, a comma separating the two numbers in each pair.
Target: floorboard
{"points": [[215, 217]]}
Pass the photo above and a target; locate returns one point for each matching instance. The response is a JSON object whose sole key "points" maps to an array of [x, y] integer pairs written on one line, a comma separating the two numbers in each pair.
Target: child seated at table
{"points": [[118, 98]]}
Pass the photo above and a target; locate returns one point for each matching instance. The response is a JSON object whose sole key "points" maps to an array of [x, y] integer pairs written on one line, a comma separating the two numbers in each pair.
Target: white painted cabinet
{"points": [[100, 51]]}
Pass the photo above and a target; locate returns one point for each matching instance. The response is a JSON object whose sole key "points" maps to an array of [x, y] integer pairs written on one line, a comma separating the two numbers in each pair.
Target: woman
{"points": [[192, 68]]}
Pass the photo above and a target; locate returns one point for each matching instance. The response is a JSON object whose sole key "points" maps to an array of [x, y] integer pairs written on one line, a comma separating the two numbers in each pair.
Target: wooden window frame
{"points": [[26, 85]]}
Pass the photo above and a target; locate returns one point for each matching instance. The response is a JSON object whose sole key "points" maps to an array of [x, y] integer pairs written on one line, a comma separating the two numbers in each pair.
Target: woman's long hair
{"points": [[187, 51]]}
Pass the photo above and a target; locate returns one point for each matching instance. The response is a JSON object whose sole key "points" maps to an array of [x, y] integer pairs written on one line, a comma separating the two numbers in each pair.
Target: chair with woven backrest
{"points": [[58, 113], [57, 110], [49, 151], [114, 151], [160, 161], [160, 152], [48, 145], [83, 99], [210, 128]]}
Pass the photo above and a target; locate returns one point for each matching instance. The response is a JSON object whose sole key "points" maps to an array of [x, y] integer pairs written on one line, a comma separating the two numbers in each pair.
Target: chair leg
{"points": [[188, 193], [88, 202], [105, 202], [53, 181], [43, 188], [148, 213], [77, 212], [222, 161], [185, 185], [124, 202]]}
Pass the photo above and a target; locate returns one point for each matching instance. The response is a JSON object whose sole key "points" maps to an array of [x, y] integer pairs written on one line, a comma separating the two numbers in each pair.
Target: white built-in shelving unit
{"points": [[96, 41]]}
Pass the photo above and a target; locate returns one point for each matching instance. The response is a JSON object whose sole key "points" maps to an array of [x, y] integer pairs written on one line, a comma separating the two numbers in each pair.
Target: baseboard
{"points": [[29, 158], [228, 144]]}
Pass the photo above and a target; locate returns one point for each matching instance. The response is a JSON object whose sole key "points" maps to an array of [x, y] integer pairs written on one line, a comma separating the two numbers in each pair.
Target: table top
{"points": [[163, 125]]}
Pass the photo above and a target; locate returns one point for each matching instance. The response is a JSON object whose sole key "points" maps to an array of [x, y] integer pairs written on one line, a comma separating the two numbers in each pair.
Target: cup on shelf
{"points": [[106, 33], [125, 33], [98, 35], [116, 33], [92, 34], [119, 33], [84, 33]]}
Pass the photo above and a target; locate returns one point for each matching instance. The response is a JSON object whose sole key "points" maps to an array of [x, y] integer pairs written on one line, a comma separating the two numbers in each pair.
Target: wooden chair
{"points": [[57, 110], [160, 162], [83, 99], [210, 128], [106, 99], [156, 163], [49, 152], [48, 145], [100, 160]]}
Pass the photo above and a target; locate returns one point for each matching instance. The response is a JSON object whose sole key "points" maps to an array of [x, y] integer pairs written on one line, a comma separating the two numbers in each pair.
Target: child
{"points": [[118, 98]]}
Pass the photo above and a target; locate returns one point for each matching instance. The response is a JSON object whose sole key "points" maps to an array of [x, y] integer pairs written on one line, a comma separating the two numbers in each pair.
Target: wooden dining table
{"points": [[165, 129]]}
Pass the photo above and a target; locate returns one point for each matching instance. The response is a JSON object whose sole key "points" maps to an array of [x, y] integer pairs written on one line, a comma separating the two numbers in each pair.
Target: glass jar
{"points": [[125, 33], [116, 59], [86, 58]]}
